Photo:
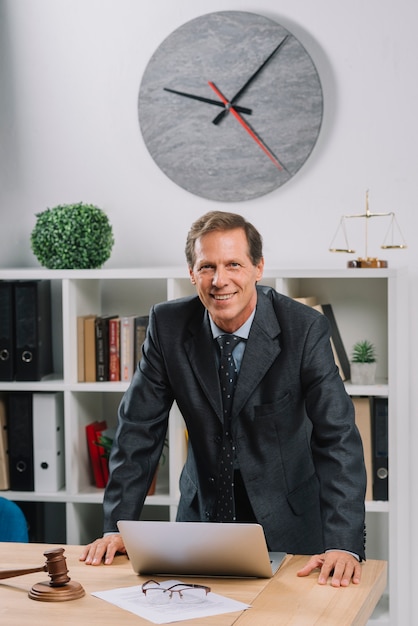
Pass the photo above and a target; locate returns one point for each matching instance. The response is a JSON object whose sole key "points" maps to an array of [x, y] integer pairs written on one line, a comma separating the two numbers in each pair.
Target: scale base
{"points": [[369, 262], [46, 593]]}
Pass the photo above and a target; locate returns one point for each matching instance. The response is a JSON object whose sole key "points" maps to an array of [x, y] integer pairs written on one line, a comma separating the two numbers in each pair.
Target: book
{"points": [[308, 300], [7, 371], [101, 327], [114, 349], [81, 376], [380, 447], [89, 349], [362, 409], [20, 438], [33, 341], [141, 325], [95, 451], [319, 307], [48, 441], [4, 458], [338, 342], [127, 347]]}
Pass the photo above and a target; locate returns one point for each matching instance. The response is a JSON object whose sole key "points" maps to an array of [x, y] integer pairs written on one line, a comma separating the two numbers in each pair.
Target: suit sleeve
{"points": [[142, 426], [336, 444]]}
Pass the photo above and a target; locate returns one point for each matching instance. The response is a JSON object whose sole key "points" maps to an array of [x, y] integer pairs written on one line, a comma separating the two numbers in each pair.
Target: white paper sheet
{"points": [[132, 599]]}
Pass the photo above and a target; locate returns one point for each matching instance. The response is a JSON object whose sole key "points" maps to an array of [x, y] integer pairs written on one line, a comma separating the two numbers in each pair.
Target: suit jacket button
{"points": [[211, 480]]}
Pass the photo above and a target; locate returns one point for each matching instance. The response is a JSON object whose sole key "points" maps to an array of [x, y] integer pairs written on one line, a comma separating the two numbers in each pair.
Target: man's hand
{"points": [[341, 566], [104, 548]]}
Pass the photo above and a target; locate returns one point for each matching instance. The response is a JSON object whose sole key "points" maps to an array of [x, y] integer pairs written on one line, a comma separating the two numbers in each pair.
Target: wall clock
{"points": [[230, 106]]}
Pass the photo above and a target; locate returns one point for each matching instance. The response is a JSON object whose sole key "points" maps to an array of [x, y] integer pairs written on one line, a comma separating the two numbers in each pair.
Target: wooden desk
{"points": [[283, 599]]}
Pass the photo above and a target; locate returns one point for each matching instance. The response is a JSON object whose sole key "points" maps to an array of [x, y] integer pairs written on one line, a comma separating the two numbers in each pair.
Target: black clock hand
{"points": [[239, 93], [246, 126], [207, 100]]}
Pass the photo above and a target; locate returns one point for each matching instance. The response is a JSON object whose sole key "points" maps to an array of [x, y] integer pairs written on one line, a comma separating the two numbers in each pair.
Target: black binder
{"points": [[20, 436], [33, 349], [380, 447], [6, 330]]}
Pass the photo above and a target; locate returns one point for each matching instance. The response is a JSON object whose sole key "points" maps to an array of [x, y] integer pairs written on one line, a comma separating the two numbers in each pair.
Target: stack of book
{"points": [[109, 346]]}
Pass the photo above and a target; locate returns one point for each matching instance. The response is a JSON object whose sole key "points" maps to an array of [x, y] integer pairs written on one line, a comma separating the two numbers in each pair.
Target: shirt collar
{"points": [[243, 331]]}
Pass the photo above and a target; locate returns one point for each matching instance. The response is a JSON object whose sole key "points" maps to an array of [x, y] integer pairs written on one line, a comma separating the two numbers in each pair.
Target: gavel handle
{"points": [[9, 573]]}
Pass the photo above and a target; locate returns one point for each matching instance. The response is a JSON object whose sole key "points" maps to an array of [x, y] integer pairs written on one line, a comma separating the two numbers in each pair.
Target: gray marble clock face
{"points": [[223, 161]]}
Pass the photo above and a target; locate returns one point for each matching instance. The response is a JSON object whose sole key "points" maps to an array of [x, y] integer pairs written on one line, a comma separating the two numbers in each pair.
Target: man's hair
{"points": [[222, 220]]}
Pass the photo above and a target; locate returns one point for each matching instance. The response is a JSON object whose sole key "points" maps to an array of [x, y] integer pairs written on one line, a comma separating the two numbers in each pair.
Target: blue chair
{"points": [[13, 524]]}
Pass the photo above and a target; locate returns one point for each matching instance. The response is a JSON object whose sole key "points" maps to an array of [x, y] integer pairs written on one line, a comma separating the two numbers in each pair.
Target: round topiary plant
{"points": [[72, 236]]}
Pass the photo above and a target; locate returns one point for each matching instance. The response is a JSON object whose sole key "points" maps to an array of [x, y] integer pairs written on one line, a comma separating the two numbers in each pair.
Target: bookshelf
{"points": [[367, 304]]}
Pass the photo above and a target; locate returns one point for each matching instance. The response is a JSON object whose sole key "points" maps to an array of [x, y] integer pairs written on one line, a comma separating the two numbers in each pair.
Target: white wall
{"points": [[70, 72]]}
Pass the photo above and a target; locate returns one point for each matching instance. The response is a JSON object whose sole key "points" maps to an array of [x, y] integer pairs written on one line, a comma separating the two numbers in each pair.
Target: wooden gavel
{"points": [[56, 566], [59, 587]]}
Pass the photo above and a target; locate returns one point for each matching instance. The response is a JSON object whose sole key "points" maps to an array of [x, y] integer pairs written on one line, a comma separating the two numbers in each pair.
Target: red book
{"points": [[93, 430], [104, 461], [114, 349]]}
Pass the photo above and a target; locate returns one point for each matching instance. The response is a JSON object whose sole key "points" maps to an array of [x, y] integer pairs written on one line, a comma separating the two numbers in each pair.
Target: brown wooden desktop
{"points": [[283, 599]]}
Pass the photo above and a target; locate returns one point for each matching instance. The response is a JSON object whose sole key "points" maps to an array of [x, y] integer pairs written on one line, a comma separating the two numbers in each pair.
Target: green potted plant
{"points": [[363, 363], [72, 236]]}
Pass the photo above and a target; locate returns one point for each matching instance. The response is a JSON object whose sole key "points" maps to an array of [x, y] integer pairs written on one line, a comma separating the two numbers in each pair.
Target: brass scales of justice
{"points": [[393, 240]]}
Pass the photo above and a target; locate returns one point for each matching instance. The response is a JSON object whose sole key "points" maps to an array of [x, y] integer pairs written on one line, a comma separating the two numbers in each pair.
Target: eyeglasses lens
{"points": [[188, 595]]}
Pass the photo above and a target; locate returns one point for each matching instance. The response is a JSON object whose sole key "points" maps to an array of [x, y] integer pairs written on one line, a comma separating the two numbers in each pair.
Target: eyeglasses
{"points": [[156, 594]]}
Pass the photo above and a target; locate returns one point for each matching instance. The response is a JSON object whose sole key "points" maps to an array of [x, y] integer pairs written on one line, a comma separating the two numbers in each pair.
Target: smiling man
{"points": [[296, 460]]}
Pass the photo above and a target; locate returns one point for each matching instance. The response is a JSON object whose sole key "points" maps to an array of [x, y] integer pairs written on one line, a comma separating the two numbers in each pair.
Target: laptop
{"points": [[199, 549]]}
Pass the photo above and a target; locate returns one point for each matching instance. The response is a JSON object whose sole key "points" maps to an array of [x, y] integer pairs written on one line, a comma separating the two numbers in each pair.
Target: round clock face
{"points": [[230, 106]]}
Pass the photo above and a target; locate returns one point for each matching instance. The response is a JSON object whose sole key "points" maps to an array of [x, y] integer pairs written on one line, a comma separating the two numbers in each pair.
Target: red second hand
{"points": [[245, 125]]}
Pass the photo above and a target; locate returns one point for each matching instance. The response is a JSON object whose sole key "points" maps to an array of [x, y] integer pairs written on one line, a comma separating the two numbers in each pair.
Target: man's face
{"points": [[225, 277]]}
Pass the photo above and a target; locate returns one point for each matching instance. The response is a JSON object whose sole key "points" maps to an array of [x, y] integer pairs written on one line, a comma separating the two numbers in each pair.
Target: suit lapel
{"points": [[261, 350], [201, 353]]}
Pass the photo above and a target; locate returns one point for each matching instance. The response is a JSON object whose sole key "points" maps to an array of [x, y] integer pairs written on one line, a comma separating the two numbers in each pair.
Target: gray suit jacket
{"points": [[298, 449]]}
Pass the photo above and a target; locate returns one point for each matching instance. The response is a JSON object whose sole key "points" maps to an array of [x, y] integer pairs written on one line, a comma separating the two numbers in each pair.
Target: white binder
{"points": [[48, 441]]}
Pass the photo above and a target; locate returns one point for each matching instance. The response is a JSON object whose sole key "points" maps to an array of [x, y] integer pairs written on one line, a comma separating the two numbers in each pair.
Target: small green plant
{"points": [[363, 352], [72, 236]]}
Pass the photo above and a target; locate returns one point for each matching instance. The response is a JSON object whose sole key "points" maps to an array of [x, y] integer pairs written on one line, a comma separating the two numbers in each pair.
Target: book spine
{"points": [[141, 325], [338, 342], [114, 349], [126, 347], [100, 334], [81, 375], [89, 349], [95, 452]]}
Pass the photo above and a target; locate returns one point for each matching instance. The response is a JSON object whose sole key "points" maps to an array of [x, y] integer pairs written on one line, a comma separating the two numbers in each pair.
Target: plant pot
{"points": [[151, 490], [363, 373]]}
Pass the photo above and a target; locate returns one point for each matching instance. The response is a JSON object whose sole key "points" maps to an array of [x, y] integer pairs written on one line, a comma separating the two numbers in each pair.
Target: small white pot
{"points": [[363, 373]]}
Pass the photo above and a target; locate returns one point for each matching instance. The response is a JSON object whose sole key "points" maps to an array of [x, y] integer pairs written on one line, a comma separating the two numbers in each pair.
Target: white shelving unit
{"points": [[368, 304]]}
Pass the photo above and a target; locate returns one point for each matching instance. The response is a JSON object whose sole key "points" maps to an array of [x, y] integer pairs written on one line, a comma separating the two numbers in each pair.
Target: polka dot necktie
{"points": [[225, 509]]}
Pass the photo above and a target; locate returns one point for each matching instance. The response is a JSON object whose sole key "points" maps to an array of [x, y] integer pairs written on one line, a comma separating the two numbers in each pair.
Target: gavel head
{"points": [[56, 566]]}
